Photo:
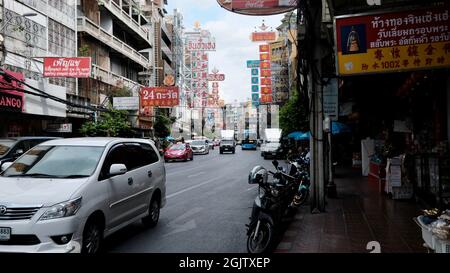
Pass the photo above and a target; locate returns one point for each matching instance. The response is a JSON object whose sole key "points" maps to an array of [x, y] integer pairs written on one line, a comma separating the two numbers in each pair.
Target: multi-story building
{"points": [[119, 38], [32, 30]]}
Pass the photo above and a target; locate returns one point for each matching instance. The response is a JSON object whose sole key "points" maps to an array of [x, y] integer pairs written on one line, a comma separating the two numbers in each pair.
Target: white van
{"points": [[67, 195]]}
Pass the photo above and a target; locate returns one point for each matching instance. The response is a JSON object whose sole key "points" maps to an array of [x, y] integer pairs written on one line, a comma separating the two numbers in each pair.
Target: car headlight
{"points": [[61, 210]]}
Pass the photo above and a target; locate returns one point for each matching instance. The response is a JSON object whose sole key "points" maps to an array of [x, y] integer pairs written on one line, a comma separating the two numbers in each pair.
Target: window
{"points": [[150, 156]]}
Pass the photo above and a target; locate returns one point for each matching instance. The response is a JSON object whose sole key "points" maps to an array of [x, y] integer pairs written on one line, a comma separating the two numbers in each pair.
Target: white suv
{"points": [[67, 195]]}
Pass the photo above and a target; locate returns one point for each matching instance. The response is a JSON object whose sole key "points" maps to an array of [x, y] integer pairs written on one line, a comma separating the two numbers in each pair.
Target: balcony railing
{"points": [[86, 25], [111, 78], [115, 9]]}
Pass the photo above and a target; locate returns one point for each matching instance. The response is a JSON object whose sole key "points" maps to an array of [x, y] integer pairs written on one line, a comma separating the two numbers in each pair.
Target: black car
{"points": [[13, 148], [227, 146]]}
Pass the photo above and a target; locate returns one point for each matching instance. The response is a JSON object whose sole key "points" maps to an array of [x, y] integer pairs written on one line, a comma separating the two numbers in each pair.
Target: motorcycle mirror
{"points": [[275, 163]]}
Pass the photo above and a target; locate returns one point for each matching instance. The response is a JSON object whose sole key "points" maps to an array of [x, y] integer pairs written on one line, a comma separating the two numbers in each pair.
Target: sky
{"points": [[233, 46]]}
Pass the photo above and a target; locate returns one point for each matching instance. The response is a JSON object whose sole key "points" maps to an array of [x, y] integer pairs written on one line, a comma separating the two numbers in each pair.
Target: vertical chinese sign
{"points": [[396, 41], [254, 66], [266, 74]]}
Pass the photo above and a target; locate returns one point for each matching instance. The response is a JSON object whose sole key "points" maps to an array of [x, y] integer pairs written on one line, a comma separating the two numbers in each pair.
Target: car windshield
{"points": [[5, 145], [56, 162], [228, 142], [177, 147], [198, 142]]}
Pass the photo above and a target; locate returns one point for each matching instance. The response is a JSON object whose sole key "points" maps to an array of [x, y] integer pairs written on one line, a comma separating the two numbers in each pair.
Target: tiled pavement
{"points": [[358, 215]]}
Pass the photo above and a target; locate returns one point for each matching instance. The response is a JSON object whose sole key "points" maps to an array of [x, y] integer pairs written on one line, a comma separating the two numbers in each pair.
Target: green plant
{"points": [[162, 125], [293, 115], [113, 123], [83, 50]]}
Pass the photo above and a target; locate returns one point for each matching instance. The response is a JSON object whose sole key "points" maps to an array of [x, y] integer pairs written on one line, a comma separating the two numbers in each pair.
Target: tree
{"points": [[293, 115], [162, 125], [113, 123]]}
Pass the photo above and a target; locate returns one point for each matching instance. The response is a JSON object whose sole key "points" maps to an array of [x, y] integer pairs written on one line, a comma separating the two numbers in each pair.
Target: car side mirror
{"points": [[275, 163], [117, 169], [19, 152], [6, 165]]}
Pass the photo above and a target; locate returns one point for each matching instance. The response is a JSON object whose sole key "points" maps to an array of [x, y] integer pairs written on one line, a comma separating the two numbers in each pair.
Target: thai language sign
{"points": [[10, 99], [201, 44], [159, 96], [264, 36], [67, 67], [390, 42]]}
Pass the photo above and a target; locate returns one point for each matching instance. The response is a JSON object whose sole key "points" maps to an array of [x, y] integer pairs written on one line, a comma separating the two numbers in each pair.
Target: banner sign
{"points": [[255, 80], [11, 100], [392, 42], [67, 67], [255, 72], [159, 96], [59, 128], [255, 88], [201, 44], [216, 77], [253, 64], [264, 36]]}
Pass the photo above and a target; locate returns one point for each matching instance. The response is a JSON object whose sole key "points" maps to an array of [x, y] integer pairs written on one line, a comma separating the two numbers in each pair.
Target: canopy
{"points": [[339, 128], [295, 135]]}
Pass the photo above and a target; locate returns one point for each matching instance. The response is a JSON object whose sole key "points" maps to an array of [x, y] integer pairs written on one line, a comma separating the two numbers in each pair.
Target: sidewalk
{"points": [[359, 215]]}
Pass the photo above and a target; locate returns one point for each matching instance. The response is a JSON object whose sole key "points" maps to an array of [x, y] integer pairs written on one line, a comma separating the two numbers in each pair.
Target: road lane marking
{"points": [[194, 175], [191, 188]]}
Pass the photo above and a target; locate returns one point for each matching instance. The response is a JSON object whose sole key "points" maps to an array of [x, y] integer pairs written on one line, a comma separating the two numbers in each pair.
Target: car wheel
{"points": [[153, 214], [92, 237], [221, 152], [192, 157]]}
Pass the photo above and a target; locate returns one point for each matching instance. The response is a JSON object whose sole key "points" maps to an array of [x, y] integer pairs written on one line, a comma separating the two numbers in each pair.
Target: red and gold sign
{"points": [[266, 90], [391, 42], [264, 48], [264, 36], [159, 96], [266, 73], [266, 81], [265, 99], [264, 65], [264, 57]]}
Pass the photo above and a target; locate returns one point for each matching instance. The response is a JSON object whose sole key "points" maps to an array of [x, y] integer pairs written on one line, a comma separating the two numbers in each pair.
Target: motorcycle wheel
{"points": [[302, 199], [263, 241]]}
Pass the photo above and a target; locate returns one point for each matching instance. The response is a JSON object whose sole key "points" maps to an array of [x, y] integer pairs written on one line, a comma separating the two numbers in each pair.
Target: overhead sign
{"points": [[255, 80], [394, 41], [265, 99], [79, 67], [159, 96], [264, 48], [253, 63], [126, 103], [258, 7], [216, 77], [10, 99], [267, 36], [265, 65]]}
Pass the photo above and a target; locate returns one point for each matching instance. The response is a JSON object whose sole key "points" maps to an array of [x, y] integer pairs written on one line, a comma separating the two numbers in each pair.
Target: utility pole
{"points": [[314, 16]]}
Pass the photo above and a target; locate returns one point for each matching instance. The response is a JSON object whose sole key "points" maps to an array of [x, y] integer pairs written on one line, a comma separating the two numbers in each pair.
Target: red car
{"points": [[179, 152]]}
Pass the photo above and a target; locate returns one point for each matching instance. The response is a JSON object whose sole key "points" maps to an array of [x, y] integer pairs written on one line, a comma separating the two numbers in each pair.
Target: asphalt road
{"points": [[209, 202]]}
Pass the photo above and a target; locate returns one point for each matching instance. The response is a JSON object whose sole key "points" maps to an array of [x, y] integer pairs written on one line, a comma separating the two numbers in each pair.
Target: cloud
{"points": [[233, 45]]}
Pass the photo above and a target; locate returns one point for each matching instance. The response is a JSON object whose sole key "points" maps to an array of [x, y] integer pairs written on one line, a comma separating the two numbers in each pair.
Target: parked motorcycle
{"points": [[271, 205], [300, 169]]}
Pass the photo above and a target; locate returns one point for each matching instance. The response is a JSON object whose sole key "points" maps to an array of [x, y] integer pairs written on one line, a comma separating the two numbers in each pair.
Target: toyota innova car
{"points": [[67, 195]]}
